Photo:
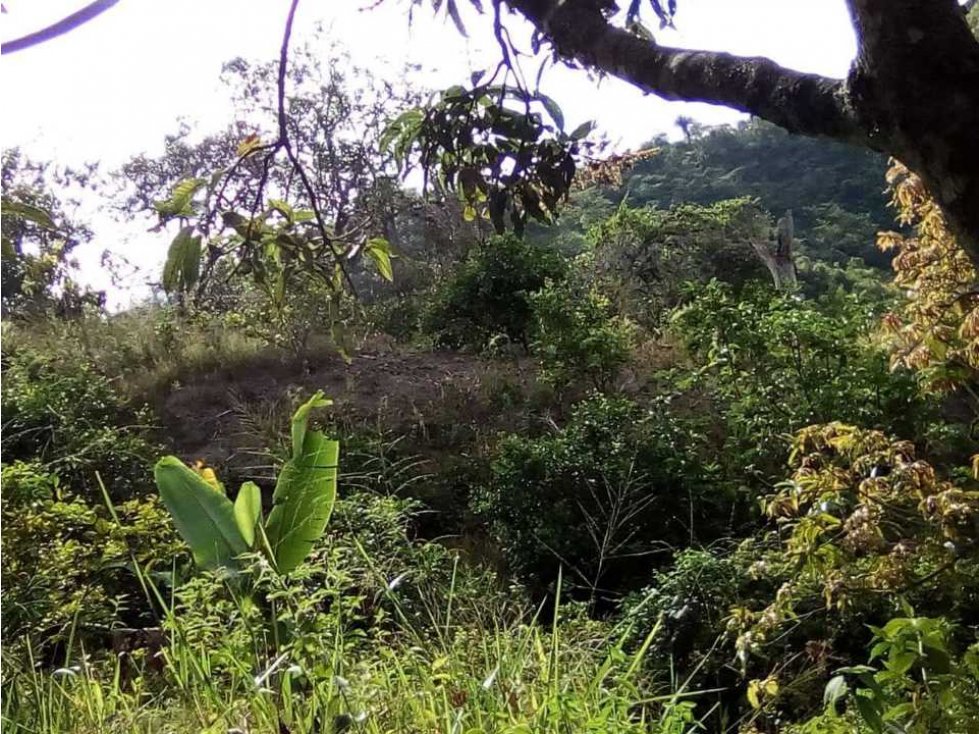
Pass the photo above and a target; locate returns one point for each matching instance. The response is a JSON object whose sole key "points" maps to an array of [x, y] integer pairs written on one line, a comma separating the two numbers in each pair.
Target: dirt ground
{"points": [[436, 397]]}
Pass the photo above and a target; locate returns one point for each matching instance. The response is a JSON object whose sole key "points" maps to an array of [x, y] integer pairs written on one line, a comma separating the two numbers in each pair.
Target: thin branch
{"points": [[63, 26], [286, 144]]}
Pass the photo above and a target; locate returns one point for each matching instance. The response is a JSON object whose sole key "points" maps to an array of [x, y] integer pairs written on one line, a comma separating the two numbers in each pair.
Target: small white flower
{"points": [[342, 683], [65, 672]]}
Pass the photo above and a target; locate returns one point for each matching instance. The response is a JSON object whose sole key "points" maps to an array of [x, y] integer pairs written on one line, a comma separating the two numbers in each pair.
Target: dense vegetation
{"points": [[603, 476]]}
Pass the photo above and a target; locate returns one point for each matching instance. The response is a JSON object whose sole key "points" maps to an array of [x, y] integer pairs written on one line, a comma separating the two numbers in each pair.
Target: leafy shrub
{"points": [[490, 294], [397, 316], [690, 601], [577, 336], [600, 496], [861, 526], [936, 331], [921, 685], [772, 364], [71, 419], [39, 237], [365, 574], [641, 257], [67, 564], [861, 516]]}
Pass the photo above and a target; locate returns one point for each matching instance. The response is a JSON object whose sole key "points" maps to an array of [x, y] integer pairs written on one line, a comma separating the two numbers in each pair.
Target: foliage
{"points": [[219, 532], [68, 562], [490, 294], [937, 331], [73, 421], [501, 147], [370, 648], [919, 684], [39, 236], [832, 189], [577, 336], [630, 515], [600, 497], [689, 601], [315, 214], [861, 517], [776, 363], [642, 257], [140, 354]]}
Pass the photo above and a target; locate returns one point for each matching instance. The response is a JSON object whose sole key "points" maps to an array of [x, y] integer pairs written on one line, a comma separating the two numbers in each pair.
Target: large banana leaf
{"points": [[204, 518], [304, 494]]}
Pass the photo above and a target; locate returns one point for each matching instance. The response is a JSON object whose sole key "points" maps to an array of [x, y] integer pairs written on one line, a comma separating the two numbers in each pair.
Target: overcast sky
{"points": [[116, 85]]}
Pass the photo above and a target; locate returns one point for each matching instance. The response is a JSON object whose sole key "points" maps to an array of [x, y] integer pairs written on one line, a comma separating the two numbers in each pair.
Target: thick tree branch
{"points": [[912, 92], [807, 104]]}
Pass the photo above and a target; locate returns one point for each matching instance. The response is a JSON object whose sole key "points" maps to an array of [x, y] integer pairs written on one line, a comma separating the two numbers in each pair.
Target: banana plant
{"points": [[219, 531]]}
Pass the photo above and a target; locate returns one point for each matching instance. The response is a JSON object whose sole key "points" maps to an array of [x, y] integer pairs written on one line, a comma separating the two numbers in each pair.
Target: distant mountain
{"points": [[836, 191]]}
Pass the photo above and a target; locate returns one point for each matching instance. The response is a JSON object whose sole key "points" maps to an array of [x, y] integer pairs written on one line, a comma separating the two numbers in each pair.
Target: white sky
{"points": [[115, 86]]}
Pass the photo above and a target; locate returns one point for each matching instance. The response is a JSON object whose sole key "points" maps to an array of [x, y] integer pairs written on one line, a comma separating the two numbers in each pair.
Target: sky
{"points": [[115, 86]]}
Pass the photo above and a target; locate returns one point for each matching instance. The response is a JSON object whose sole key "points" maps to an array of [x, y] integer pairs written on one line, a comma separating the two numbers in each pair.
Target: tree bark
{"points": [[912, 92], [777, 254]]}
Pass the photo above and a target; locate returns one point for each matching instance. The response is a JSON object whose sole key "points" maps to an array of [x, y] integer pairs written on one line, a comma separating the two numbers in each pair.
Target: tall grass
{"points": [[451, 669], [147, 349]]}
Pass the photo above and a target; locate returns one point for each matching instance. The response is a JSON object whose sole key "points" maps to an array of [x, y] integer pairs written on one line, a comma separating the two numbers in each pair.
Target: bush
{"points": [[67, 565], [601, 497], [490, 294], [71, 419], [690, 601], [642, 257], [921, 684], [772, 364], [578, 337]]}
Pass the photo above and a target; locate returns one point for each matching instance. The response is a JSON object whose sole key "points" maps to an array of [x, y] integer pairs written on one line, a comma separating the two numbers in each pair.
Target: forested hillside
{"points": [[692, 448]]}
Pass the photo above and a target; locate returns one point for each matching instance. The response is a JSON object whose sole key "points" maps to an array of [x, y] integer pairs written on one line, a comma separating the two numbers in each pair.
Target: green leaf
{"points": [[901, 661], [870, 713], [835, 690], [405, 124], [553, 109], [28, 212], [300, 421], [582, 130], [283, 208], [204, 518], [378, 249], [182, 268], [304, 495], [248, 511], [180, 203]]}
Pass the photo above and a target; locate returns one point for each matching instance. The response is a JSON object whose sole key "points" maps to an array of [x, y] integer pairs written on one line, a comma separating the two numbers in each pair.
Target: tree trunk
{"points": [[915, 87], [777, 254]]}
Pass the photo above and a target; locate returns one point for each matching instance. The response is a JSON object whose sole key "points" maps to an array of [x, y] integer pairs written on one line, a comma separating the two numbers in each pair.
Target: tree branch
{"points": [[285, 143], [807, 104], [62, 26]]}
